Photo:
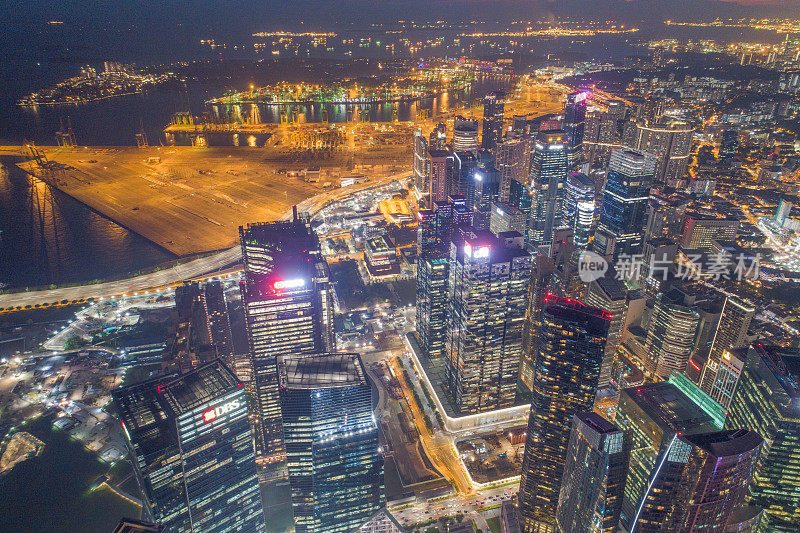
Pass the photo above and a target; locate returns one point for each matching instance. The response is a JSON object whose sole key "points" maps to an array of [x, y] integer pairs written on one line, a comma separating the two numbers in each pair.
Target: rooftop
{"points": [[671, 409], [727, 443], [198, 387], [320, 371]]}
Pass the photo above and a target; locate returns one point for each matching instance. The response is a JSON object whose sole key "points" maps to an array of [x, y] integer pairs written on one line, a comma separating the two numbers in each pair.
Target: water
{"points": [[49, 238], [51, 492]]}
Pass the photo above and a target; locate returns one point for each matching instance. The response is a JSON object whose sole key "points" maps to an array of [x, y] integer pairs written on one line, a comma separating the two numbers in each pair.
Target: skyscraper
{"points": [[655, 416], [767, 400], [609, 294], [579, 208], [218, 321], [465, 135], [671, 144], [194, 452], [671, 335], [574, 124], [566, 369], [422, 164], [487, 289], [435, 230], [595, 469], [493, 109], [335, 467], [714, 479], [512, 159], [287, 302], [548, 173], [731, 333], [442, 177], [622, 220], [483, 190], [538, 289]]}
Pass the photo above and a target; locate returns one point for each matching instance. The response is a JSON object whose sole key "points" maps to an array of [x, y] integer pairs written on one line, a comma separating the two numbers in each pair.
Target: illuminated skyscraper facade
{"points": [[548, 173], [566, 368], [767, 400], [671, 335], [621, 226], [596, 465], [194, 448], [487, 289], [655, 416], [287, 301], [335, 467], [435, 229], [731, 333]]}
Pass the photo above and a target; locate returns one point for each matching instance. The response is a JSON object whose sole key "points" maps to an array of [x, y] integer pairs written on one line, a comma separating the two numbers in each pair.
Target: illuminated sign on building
{"points": [[480, 253], [213, 414], [289, 283]]}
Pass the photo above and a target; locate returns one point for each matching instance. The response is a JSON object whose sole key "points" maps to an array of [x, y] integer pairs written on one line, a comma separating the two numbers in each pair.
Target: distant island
{"points": [[115, 80], [22, 446]]}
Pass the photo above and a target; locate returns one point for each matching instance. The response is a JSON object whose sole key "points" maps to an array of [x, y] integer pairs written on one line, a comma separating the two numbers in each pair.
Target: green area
{"points": [[494, 524]]}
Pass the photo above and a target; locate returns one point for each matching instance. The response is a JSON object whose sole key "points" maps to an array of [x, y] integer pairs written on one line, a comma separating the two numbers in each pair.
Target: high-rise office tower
{"points": [[465, 164], [287, 300], [671, 335], [566, 368], [435, 230], [493, 109], [767, 400], [729, 371], [335, 466], [671, 144], [512, 159], [609, 294], [548, 174], [622, 220], [579, 208], [538, 289], [437, 140], [487, 289], [655, 416], [442, 178], [574, 125], [465, 135], [595, 469], [194, 452], [218, 321], [714, 480], [731, 333], [483, 190], [422, 164]]}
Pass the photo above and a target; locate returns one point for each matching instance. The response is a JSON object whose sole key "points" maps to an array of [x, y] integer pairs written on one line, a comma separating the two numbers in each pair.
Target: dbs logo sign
{"points": [[213, 414]]}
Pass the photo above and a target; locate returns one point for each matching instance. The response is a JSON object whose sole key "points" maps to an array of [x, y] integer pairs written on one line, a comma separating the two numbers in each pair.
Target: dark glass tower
{"points": [[493, 109], [594, 476], [287, 302], [435, 229], [566, 370], [194, 450], [574, 124], [335, 467], [656, 415], [623, 213]]}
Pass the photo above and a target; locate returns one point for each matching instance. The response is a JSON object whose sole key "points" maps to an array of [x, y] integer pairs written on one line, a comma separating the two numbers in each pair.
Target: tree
{"points": [[75, 342]]}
